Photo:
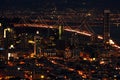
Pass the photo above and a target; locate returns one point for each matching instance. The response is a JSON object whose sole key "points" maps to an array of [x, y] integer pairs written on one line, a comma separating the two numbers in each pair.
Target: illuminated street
{"points": [[65, 69]]}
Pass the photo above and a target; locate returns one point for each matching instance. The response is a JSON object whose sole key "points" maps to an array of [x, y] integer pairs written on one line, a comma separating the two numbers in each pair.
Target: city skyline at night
{"points": [[59, 39]]}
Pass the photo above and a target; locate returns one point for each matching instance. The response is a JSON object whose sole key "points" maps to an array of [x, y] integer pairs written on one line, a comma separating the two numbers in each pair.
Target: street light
{"points": [[11, 46], [5, 31]]}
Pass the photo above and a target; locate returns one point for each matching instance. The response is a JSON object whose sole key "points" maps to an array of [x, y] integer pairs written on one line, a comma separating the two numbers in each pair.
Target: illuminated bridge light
{"points": [[79, 32], [116, 46], [100, 37], [111, 41]]}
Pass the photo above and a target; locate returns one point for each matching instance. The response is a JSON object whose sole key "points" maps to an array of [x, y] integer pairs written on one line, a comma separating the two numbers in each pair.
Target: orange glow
{"points": [[100, 37], [84, 76], [10, 63], [42, 76], [102, 62], [39, 64], [70, 69], [80, 72], [22, 62], [65, 77], [92, 71], [53, 62]]}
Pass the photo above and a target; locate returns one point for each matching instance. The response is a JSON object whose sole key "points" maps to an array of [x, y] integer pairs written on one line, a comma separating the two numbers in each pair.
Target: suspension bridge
{"points": [[73, 21]]}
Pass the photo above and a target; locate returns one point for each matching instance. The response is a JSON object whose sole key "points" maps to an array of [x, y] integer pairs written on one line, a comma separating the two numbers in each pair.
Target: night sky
{"points": [[23, 4]]}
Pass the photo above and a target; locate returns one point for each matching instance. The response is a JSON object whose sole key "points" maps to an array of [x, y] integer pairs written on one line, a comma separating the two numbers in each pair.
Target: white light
{"points": [[89, 14], [11, 46], [111, 41], [8, 29], [9, 54], [0, 24], [100, 37], [32, 42], [42, 76], [5, 30], [102, 62], [18, 68], [37, 32], [94, 59], [85, 59]]}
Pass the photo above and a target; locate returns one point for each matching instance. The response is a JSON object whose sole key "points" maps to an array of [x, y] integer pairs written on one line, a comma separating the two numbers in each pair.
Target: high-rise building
{"points": [[106, 28]]}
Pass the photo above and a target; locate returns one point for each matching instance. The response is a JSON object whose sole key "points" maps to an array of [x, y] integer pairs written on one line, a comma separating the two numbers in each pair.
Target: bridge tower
{"points": [[106, 28]]}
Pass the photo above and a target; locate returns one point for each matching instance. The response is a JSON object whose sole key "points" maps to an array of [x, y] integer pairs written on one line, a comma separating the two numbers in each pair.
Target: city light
{"points": [[0, 24], [18, 68], [37, 32], [62, 43], [11, 46], [94, 59], [100, 37], [111, 42], [30, 41], [42, 76], [102, 62], [9, 55], [60, 32], [5, 31], [89, 14]]}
